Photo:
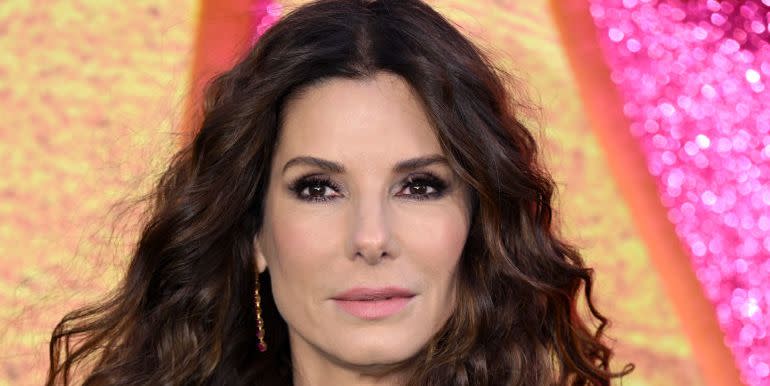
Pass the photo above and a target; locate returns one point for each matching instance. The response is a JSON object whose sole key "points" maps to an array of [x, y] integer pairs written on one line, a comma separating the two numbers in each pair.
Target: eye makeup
{"points": [[312, 187]]}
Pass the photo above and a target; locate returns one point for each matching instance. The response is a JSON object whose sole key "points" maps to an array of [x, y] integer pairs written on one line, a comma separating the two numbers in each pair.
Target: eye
{"points": [[426, 186], [314, 188]]}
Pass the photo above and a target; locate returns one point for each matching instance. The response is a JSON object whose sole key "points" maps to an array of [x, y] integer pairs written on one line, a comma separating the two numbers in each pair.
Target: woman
{"points": [[360, 206]]}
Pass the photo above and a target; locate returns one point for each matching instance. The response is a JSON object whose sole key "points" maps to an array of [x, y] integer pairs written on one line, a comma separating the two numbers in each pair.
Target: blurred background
{"points": [[656, 128]]}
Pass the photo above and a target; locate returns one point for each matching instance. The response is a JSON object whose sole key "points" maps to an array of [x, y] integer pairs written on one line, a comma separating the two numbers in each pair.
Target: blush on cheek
{"points": [[303, 244], [447, 241]]}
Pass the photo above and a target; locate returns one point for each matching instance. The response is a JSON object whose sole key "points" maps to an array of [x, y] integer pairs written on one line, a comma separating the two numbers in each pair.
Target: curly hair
{"points": [[183, 314]]}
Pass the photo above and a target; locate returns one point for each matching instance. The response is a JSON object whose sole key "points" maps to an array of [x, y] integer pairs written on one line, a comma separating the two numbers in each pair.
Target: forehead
{"points": [[377, 119]]}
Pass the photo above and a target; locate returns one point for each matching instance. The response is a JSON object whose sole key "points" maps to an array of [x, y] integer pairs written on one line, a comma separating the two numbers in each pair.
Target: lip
{"points": [[367, 293], [374, 303]]}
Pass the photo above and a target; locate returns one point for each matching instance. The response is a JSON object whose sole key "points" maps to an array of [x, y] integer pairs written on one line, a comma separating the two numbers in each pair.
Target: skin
{"points": [[371, 232]]}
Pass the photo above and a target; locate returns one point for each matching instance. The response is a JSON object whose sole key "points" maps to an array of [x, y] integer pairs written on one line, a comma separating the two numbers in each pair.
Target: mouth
{"points": [[374, 303], [369, 293]]}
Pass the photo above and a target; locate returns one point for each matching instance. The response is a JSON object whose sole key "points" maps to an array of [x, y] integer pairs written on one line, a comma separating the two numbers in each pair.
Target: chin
{"points": [[380, 348], [368, 356]]}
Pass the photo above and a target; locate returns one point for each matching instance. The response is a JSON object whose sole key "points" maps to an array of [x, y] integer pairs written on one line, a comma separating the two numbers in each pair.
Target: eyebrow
{"points": [[334, 167]]}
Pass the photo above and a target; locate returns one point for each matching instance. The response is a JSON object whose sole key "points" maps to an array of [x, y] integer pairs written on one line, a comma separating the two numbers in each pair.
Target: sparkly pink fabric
{"points": [[693, 78], [266, 12]]}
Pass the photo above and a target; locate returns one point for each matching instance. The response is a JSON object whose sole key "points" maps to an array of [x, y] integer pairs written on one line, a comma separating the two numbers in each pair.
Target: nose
{"points": [[371, 234]]}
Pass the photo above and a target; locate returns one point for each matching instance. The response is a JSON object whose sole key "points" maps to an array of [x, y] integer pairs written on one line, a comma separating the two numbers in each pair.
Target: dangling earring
{"points": [[262, 346]]}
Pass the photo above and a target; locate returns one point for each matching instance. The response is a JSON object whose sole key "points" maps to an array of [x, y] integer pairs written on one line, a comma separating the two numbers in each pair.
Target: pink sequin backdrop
{"points": [[693, 75]]}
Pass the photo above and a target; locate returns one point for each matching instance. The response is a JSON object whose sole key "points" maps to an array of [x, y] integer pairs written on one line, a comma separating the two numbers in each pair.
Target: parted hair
{"points": [[184, 312]]}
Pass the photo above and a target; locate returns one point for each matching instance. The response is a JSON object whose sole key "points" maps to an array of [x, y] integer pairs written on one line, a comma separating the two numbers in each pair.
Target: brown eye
{"points": [[316, 190], [313, 188], [425, 187], [419, 189]]}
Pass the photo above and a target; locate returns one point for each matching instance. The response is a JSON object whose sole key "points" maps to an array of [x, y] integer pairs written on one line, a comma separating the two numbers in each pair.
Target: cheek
{"points": [[302, 243], [436, 240], [435, 245]]}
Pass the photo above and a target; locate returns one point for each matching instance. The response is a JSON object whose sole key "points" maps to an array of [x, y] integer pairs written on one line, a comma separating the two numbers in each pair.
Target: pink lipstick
{"points": [[373, 303]]}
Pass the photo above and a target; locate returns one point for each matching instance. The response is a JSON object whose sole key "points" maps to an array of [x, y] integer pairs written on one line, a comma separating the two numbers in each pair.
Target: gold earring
{"points": [[262, 346]]}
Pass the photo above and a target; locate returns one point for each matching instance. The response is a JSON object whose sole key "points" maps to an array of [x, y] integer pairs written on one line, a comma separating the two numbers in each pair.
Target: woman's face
{"points": [[350, 218]]}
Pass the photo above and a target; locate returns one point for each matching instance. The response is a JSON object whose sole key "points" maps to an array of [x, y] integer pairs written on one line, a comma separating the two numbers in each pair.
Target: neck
{"points": [[343, 378]]}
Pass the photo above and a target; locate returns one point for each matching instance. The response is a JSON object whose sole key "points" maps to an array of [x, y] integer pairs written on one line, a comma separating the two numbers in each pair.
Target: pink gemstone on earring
{"points": [[262, 347], [260, 334]]}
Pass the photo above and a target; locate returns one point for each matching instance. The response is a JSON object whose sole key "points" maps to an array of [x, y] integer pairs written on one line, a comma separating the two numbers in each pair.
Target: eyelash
{"points": [[425, 179]]}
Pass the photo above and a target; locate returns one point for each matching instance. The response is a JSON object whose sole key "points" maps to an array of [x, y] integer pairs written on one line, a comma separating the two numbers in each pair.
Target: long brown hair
{"points": [[184, 312]]}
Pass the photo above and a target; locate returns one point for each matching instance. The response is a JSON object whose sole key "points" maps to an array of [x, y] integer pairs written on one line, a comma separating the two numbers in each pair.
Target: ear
{"points": [[261, 262]]}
